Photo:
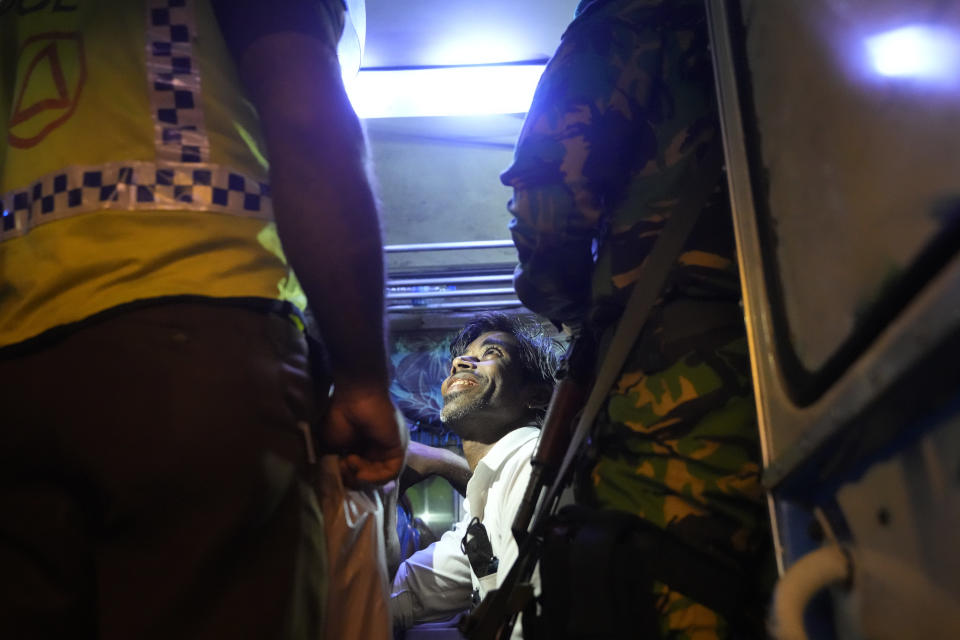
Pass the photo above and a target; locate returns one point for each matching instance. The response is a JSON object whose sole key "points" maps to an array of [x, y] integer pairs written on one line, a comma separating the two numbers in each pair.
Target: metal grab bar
{"points": [[413, 282], [460, 293], [448, 246], [455, 305]]}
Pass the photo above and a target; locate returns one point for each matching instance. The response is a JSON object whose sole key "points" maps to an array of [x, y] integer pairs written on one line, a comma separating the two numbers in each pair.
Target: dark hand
{"points": [[365, 429]]}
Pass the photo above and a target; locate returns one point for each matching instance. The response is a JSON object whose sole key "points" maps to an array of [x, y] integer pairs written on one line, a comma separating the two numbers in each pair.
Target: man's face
{"points": [[485, 396]]}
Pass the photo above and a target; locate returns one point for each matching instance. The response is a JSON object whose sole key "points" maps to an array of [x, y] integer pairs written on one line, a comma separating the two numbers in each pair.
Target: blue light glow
{"points": [[481, 46], [916, 51], [446, 91]]}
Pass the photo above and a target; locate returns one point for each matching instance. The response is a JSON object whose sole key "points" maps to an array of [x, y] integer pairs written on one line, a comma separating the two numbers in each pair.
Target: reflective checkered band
{"points": [[133, 186], [174, 79]]}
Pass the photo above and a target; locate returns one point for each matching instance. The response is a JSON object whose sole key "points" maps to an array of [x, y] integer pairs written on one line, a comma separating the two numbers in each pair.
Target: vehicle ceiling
{"points": [[438, 177]]}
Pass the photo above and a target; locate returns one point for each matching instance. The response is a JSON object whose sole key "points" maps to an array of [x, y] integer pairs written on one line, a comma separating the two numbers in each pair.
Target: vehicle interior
{"points": [[838, 122]]}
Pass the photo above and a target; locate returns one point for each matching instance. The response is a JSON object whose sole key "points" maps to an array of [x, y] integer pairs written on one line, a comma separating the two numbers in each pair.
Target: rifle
{"points": [[566, 402]]}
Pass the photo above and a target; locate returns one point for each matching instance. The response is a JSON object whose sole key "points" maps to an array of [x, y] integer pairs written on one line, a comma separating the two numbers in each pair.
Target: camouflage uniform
{"points": [[620, 122]]}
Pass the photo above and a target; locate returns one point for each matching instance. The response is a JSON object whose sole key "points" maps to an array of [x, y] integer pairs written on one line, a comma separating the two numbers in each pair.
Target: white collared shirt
{"points": [[437, 582]]}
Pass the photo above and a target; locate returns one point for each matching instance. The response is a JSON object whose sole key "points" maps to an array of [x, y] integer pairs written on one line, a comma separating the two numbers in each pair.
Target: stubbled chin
{"points": [[454, 405]]}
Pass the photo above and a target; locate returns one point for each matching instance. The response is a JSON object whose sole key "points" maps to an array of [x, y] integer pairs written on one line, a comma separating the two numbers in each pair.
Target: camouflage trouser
{"points": [[683, 619], [679, 447]]}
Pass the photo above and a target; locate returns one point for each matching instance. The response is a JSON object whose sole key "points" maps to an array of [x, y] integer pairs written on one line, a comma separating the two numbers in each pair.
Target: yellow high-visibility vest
{"points": [[131, 167]]}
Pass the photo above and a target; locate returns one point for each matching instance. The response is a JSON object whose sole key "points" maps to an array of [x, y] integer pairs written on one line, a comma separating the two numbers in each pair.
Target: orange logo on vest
{"points": [[49, 88]]}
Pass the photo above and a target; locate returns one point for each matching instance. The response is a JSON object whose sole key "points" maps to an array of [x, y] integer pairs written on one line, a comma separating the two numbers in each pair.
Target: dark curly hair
{"points": [[539, 353]]}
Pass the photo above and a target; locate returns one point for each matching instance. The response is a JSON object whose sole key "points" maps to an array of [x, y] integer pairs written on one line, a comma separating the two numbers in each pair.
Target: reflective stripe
{"points": [[174, 80], [181, 178], [133, 186]]}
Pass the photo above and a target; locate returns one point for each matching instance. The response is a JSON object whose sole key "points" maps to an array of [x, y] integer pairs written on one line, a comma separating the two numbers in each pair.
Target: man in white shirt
{"points": [[499, 385]]}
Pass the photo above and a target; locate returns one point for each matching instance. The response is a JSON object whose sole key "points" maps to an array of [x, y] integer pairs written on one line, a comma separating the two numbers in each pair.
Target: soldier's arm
{"points": [[583, 137]]}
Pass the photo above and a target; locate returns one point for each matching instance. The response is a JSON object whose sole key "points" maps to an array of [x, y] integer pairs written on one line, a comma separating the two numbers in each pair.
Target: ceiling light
{"points": [[917, 51], [444, 91]]}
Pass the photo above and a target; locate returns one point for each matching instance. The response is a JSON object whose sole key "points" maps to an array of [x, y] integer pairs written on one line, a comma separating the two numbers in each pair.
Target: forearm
{"points": [[424, 461], [338, 259], [324, 206], [455, 470]]}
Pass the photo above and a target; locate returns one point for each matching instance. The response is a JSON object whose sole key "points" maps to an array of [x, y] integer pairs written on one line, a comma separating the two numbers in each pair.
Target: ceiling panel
{"points": [[432, 32]]}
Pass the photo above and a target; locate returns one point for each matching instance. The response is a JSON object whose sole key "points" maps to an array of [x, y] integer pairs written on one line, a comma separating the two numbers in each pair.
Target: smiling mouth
{"points": [[460, 384]]}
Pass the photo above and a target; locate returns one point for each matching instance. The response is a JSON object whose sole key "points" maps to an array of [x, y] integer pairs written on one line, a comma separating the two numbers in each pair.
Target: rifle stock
{"points": [[566, 402]]}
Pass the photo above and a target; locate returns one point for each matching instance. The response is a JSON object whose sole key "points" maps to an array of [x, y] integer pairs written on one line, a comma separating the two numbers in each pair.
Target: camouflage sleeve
{"points": [[584, 135]]}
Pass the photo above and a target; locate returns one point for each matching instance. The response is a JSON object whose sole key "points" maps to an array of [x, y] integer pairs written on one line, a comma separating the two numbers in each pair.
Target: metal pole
{"points": [[461, 293], [413, 282], [455, 305], [448, 246]]}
